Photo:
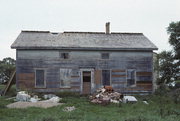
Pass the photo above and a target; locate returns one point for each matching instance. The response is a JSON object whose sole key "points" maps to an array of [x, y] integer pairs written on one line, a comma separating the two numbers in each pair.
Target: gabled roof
{"points": [[82, 40]]}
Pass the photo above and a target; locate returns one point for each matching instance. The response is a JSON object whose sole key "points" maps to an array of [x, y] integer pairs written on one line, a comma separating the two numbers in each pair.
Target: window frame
{"points": [[134, 78], [44, 86], [63, 55]]}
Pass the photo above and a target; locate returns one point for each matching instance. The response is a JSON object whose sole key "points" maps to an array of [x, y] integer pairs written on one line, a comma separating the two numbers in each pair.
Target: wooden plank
{"points": [[75, 83], [118, 70], [97, 76], [26, 76], [144, 73], [9, 83], [118, 75], [86, 88], [75, 87], [74, 76], [145, 83], [120, 82]]}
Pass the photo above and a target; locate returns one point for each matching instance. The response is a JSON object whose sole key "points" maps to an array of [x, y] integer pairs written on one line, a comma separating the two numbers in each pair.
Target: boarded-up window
{"points": [[131, 77], [104, 55], [40, 79], [106, 77], [65, 77]]}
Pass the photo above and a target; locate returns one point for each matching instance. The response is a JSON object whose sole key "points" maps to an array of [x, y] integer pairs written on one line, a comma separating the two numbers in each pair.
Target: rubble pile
{"points": [[106, 95], [69, 109]]}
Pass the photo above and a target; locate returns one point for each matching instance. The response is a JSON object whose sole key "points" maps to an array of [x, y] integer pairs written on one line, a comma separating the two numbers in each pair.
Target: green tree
{"points": [[167, 67], [169, 61], [7, 66], [174, 38]]}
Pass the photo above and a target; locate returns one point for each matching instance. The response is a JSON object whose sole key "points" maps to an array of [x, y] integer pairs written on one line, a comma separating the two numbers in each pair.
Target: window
{"points": [[131, 77], [65, 77], [40, 79], [106, 77], [104, 55], [64, 55]]}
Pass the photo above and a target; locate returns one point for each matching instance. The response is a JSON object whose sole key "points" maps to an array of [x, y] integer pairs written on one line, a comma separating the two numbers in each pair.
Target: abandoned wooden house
{"points": [[84, 61]]}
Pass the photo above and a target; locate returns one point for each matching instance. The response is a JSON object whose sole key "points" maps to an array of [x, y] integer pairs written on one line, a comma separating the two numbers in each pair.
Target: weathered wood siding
{"points": [[118, 63]]}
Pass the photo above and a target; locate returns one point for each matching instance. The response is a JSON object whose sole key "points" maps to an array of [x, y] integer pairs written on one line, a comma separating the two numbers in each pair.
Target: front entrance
{"points": [[86, 80]]}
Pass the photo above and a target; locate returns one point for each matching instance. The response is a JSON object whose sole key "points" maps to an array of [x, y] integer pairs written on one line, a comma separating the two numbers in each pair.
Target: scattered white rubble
{"points": [[145, 102], [114, 101], [69, 109], [129, 99], [24, 100], [34, 99], [49, 96], [55, 99], [22, 96]]}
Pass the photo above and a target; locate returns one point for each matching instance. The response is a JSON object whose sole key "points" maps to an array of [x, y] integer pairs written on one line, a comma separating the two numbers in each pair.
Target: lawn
{"points": [[160, 108]]}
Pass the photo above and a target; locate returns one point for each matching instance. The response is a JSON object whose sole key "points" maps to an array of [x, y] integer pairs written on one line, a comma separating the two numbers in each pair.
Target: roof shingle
{"points": [[82, 40]]}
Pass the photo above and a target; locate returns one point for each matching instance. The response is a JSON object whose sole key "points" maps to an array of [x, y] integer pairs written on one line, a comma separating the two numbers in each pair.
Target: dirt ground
{"points": [[40, 104]]}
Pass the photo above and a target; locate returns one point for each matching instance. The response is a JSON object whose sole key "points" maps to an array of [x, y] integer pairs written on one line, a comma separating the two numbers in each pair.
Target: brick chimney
{"points": [[108, 28]]}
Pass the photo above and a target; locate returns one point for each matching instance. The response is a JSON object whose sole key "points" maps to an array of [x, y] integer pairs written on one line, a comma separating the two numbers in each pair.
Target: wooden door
{"points": [[86, 76]]}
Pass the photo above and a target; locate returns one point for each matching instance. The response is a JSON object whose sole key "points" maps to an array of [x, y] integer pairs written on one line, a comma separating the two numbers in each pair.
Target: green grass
{"points": [[160, 108]]}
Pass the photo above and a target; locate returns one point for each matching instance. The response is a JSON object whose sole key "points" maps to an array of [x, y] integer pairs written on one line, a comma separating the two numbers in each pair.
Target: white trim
{"points": [[44, 77], [92, 79]]}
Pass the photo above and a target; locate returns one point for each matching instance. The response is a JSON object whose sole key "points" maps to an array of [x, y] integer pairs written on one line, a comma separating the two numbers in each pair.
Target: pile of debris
{"points": [[25, 100], [105, 95]]}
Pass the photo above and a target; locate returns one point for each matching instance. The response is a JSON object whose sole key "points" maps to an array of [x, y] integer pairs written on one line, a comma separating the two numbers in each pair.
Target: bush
{"points": [[162, 90]]}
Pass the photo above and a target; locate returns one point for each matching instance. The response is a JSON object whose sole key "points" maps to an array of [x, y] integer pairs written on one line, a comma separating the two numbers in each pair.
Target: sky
{"points": [[150, 17]]}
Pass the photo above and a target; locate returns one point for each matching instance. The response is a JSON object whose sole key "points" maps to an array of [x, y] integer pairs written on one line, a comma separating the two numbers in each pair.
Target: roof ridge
{"points": [[35, 31], [79, 32]]}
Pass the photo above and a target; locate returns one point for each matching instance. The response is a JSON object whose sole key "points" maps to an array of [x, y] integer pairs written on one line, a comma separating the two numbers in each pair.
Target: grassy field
{"points": [[160, 108]]}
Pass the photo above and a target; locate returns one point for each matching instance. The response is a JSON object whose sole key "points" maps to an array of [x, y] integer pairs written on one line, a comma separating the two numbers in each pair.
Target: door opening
{"points": [[86, 76]]}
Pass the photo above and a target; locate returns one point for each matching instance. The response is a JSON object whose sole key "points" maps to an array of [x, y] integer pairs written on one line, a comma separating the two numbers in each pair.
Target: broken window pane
{"points": [[65, 77], [130, 77], [40, 80]]}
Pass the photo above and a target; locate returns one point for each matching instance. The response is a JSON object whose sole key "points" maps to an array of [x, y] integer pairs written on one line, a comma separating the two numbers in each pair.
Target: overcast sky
{"points": [[150, 17]]}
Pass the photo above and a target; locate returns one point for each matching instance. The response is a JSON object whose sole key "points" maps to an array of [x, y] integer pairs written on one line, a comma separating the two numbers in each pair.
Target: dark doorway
{"points": [[86, 82]]}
